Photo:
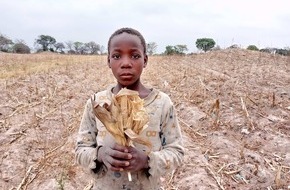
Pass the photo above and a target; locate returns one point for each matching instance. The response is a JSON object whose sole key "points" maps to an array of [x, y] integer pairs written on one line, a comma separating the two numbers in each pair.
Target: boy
{"points": [[96, 149]]}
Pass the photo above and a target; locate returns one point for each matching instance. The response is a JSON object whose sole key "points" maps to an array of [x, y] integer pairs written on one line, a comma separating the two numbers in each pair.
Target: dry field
{"points": [[234, 109]]}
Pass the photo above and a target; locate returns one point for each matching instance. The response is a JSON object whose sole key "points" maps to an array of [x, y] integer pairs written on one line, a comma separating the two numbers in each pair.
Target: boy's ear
{"points": [[145, 61], [108, 62]]}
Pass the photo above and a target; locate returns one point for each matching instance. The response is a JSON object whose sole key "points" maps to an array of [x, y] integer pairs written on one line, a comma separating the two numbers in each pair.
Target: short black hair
{"points": [[129, 31]]}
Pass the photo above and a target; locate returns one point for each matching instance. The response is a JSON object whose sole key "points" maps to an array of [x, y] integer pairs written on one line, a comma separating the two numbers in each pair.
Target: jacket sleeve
{"points": [[86, 147], [171, 154]]}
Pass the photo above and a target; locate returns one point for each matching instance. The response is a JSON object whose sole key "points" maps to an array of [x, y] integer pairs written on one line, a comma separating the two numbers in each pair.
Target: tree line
{"points": [[48, 43]]}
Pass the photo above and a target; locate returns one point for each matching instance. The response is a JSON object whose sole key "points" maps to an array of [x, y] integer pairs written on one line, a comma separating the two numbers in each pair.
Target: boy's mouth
{"points": [[126, 74]]}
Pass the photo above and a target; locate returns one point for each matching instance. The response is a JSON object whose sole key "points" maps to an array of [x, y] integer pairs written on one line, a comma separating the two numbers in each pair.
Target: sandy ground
{"points": [[233, 105]]}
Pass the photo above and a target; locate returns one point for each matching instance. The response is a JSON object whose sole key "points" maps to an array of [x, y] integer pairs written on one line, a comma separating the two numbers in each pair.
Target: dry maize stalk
{"points": [[124, 118]]}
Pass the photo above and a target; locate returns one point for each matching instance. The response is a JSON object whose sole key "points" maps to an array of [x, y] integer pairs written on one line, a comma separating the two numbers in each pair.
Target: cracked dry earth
{"points": [[233, 106]]}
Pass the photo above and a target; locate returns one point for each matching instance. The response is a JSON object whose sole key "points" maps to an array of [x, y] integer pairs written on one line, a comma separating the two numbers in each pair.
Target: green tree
{"points": [[59, 46], [175, 50], [92, 48], [21, 47], [47, 42], [180, 49], [5, 43], [79, 47], [252, 47], [205, 44], [169, 50]]}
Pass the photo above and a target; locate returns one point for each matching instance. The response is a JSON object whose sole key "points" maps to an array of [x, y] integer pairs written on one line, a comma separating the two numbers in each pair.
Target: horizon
{"points": [[173, 22]]}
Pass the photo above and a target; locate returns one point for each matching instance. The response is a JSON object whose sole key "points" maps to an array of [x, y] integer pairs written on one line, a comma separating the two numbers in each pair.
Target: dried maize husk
{"points": [[125, 118]]}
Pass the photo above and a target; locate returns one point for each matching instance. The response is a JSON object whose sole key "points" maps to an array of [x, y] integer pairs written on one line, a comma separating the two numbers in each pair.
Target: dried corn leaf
{"points": [[134, 137], [125, 118], [103, 113]]}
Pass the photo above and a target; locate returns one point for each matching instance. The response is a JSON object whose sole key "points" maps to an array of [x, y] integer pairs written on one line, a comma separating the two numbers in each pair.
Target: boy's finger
{"points": [[114, 168], [116, 165], [121, 155], [120, 163], [120, 148]]}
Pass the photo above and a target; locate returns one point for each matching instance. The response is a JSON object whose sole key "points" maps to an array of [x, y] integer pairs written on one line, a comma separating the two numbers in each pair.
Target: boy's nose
{"points": [[126, 62]]}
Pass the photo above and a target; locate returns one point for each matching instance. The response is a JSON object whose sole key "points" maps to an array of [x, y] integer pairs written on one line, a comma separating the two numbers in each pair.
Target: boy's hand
{"points": [[138, 161], [120, 158], [115, 158]]}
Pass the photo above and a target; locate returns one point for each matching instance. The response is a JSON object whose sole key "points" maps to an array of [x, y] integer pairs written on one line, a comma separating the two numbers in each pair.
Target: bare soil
{"points": [[233, 105]]}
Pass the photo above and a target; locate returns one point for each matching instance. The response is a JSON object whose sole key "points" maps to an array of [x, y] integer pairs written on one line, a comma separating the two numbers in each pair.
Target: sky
{"points": [[264, 23]]}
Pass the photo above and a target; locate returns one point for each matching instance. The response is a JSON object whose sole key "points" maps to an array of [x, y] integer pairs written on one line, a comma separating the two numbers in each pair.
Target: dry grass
{"points": [[234, 108], [15, 65]]}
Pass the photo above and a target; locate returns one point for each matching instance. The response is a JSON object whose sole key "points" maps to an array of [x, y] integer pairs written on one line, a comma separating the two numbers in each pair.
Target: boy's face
{"points": [[127, 59]]}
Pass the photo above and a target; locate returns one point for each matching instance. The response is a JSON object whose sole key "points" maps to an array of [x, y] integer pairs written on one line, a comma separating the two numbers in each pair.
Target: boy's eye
{"points": [[116, 56], [136, 56]]}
